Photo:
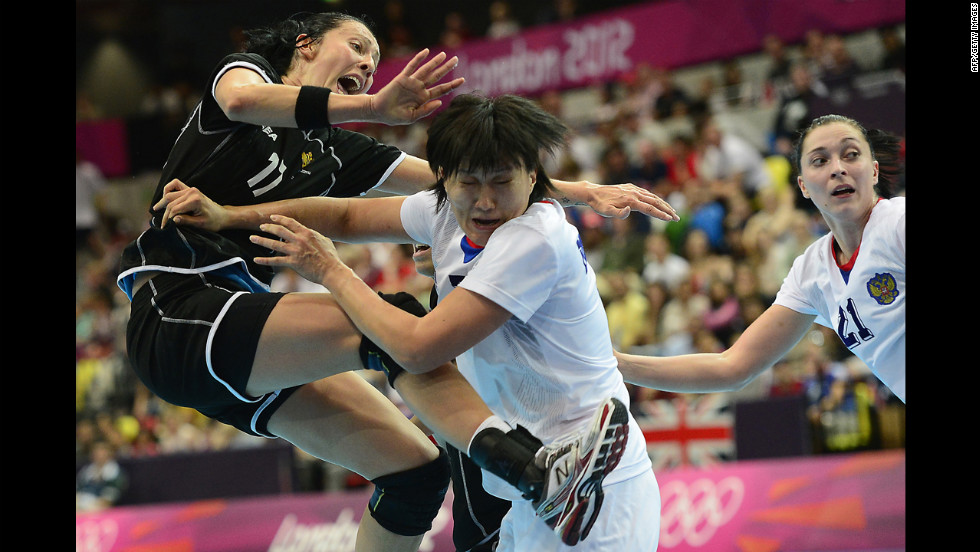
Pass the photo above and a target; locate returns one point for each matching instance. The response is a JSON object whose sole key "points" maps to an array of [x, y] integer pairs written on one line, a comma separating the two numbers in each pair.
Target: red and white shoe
{"points": [[575, 469]]}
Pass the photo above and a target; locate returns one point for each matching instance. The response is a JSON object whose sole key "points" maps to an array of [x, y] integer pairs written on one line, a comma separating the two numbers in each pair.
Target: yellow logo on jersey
{"points": [[883, 288], [307, 158]]}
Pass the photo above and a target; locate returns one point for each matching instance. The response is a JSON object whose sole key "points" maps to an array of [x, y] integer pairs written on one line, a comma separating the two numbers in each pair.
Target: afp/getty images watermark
{"points": [[974, 37]]}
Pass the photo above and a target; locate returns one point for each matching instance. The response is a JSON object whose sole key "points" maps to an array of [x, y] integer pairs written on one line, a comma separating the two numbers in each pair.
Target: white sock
{"points": [[492, 421]]}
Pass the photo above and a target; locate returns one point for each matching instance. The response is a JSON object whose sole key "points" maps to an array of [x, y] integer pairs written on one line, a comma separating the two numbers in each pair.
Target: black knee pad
{"points": [[405, 503], [510, 456], [374, 357]]}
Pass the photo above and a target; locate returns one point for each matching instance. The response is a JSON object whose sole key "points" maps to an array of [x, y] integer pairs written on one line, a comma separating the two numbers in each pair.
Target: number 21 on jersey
{"points": [[845, 320]]}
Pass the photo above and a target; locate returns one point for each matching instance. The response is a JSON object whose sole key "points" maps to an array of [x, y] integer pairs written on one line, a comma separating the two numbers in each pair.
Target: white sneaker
{"points": [[575, 470]]}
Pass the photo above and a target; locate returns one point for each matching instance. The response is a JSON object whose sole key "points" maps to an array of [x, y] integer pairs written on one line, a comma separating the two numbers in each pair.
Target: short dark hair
{"points": [[885, 149], [477, 132], [277, 42]]}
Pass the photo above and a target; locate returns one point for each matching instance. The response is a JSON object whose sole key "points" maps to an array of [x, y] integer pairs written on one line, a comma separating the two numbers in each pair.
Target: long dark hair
{"points": [[277, 42], [885, 149], [481, 133]]}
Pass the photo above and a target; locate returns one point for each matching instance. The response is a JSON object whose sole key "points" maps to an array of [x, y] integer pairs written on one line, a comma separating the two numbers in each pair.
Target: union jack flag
{"points": [[688, 430]]}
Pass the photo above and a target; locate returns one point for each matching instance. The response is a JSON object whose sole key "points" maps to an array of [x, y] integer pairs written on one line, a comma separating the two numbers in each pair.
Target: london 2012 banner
{"points": [[835, 503], [666, 34]]}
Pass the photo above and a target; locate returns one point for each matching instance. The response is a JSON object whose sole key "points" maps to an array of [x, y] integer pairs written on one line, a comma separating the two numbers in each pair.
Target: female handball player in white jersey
{"points": [[851, 280]]}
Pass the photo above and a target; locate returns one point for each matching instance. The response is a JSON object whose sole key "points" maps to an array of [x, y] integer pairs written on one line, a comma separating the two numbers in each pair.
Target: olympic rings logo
{"points": [[692, 513]]}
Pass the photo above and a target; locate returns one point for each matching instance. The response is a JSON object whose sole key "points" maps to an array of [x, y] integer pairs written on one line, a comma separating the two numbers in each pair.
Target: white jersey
{"points": [[550, 366], [867, 308]]}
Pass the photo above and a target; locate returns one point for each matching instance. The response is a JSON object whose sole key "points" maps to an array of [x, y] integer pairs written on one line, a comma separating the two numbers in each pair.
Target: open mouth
{"points": [[842, 190], [350, 84], [486, 223]]}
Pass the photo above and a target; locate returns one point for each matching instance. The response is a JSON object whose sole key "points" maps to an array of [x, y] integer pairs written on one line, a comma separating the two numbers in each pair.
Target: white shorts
{"points": [[629, 521]]}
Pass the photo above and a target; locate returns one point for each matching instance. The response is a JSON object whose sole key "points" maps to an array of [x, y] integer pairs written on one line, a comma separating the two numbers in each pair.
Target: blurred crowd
{"points": [[669, 288]]}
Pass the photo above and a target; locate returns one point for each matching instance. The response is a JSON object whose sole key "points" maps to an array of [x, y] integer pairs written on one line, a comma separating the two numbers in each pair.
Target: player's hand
{"points": [[619, 200], [306, 251], [414, 93], [190, 207]]}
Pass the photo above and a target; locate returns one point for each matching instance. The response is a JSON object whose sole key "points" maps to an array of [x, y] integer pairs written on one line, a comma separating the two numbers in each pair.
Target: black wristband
{"points": [[311, 107]]}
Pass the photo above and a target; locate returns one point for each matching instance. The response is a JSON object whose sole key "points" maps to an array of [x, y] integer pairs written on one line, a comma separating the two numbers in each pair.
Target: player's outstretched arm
{"points": [[760, 346]]}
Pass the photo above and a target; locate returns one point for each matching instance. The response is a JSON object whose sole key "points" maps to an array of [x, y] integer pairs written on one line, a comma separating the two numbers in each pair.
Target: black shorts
{"points": [[191, 340], [476, 513]]}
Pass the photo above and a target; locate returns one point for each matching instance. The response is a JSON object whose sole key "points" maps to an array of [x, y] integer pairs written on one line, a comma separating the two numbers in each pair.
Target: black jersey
{"points": [[244, 164]]}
